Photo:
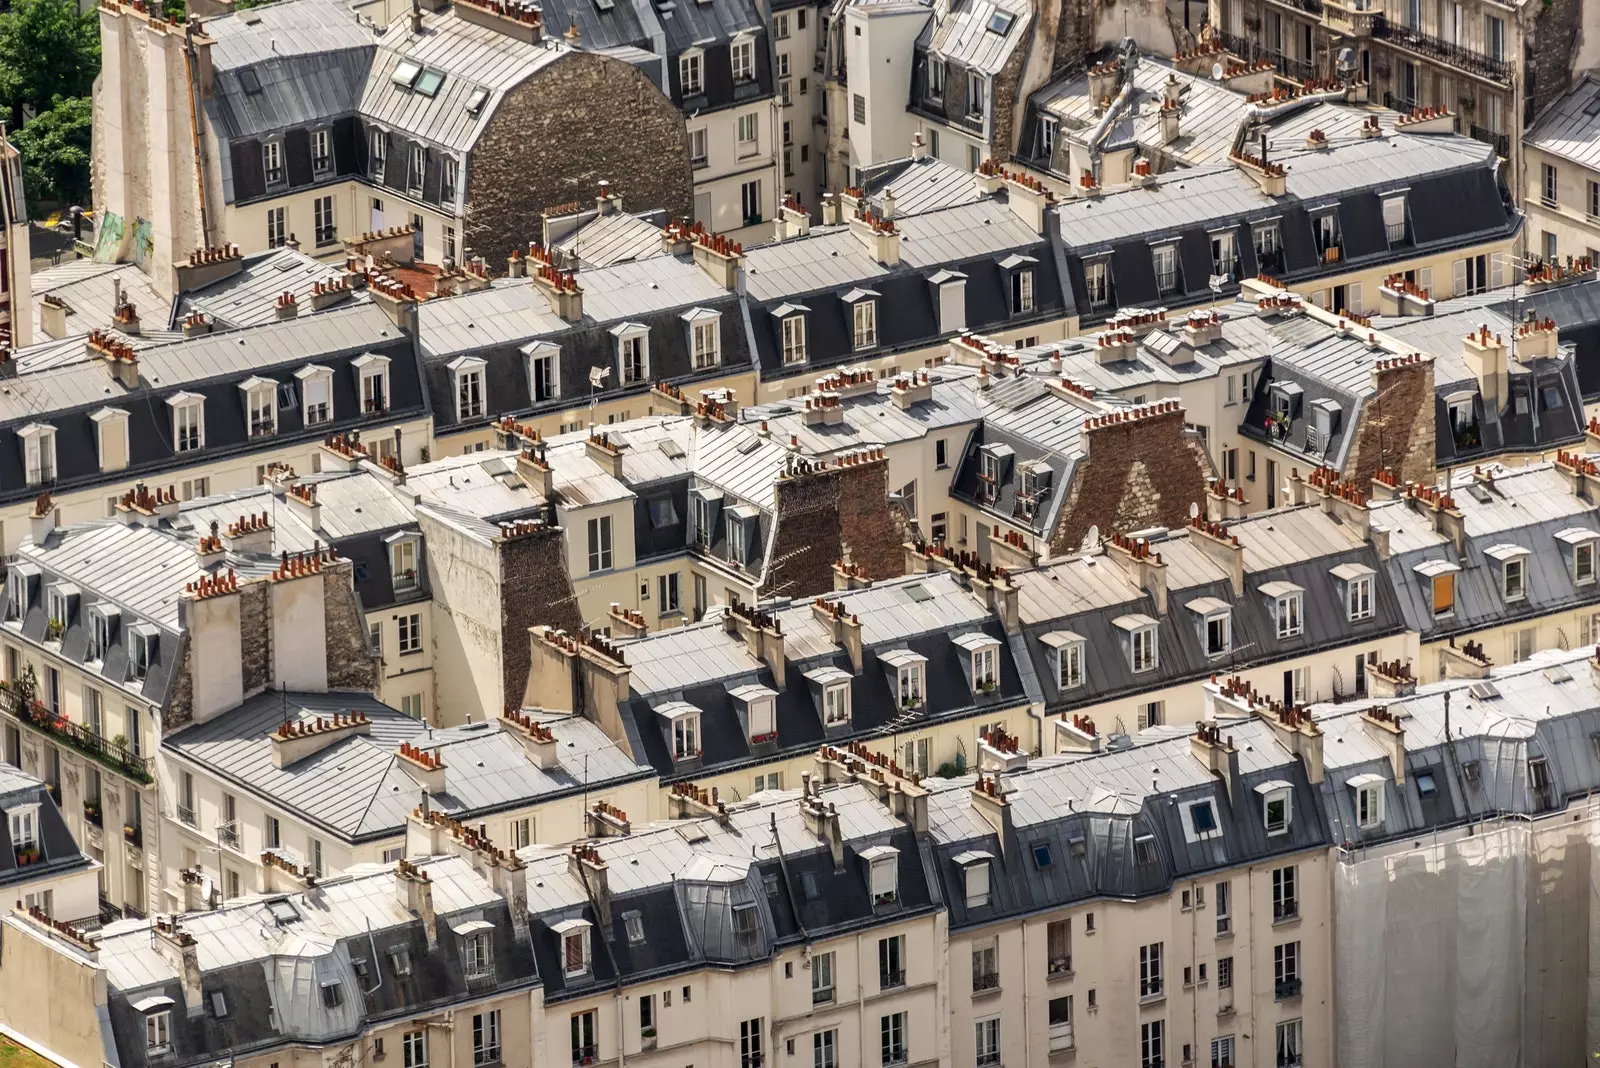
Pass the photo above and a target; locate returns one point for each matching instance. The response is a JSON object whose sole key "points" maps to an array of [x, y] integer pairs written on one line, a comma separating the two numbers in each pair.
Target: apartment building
{"points": [[119, 632], [16, 327], [799, 48], [442, 121], [1561, 190], [293, 786], [915, 670], [41, 866]]}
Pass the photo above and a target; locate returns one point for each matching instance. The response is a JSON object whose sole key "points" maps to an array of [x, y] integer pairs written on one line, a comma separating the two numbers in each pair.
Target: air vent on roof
{"points": [[1000, 22], [1593, 106], [251, 83], [1483, 691], [476, 101], [671, 448]]}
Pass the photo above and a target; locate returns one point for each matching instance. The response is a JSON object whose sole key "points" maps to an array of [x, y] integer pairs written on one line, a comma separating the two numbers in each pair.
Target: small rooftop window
{"points": [[1000, 22], [250, 81], [476, 101], [429, 81], [405, 73], [332, 995], [634, 924], [1041, 855], [282, 911]]}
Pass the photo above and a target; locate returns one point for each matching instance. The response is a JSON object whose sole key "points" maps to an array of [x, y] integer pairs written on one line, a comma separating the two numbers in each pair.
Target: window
{"points": [[1217, 634], [414, 1046], [272, 161], [322, 216], [1151, 1037], [974, 95], [1583, 573], [1222, 1052], [794, 338], [1288, 615], [1547, 192], [261, 397], [24, 827], [542, 371], [750, 1043], [891, 969], [1358, 598], [476, 961], [575, 948], [858, 105], [1224, 902], [403, 564], [188, 422], [892, 1038], [983, 666], [748, 128], [1021, 292], [410, 627], [1143, 656], [1285, 906], [469, 390], [585, 1037], [689, 73], [667, 588], [910, 685], [633, 358], [780, 27], [836, 704], [697, 147], [707, 341], [448, 180], [486, 1037], [1369, 805], [865, 319], [985, 954], [1286, 970], [1269, 245], [1166, 260], [158, 1032], [321, 151], [1592, 204], [1058, 947], [277, 228], [750, 200], [1288, 1041], [821, 978], [1097, 279], [1275, 809], [824, 1049], [1150, 970], [39, 452], [377, 154], [686, 737], [1513, 579], [744, 61], [1222, 253], [647, 1003], [1444, 594], [986, 1040], [1049, 129]]}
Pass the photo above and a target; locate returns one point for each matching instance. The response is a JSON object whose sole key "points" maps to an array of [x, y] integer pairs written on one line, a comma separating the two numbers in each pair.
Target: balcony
{"points": [[1351, 20], [1286, 989], [186, 814], [228, 837], [1500, 141], [117, 758], [986, 981], [1296, 70], [582, 1055], [890, 980], [1441, 51]]}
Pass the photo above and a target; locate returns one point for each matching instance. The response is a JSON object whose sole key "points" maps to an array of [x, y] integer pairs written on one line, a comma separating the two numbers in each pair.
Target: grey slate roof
{"points": [[249, 298], [58, 851], [1570, 127], [967, 34]]}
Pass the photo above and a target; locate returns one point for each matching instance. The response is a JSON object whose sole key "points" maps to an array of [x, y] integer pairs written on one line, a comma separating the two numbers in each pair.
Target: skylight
{"points": [[405, 73], [476, 100], [604, 5], [251, 83], [1000, 22], [429, 82]]}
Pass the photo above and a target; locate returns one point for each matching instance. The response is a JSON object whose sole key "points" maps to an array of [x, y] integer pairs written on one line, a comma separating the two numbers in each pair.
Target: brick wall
{"points": [[1397, 426], [1139, 473], [822, 516], [535, 589], [350, 665], [582, 119]]}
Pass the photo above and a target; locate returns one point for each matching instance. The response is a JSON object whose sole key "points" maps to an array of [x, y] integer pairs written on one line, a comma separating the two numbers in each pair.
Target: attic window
{"points": [[883, 874], [400, 961], [975, 877], [1513, 570], [250, 81], [219, 1004], [332, 995], [476, 101], [429, 82], [909, 675], [406, 73], [633, 923], [744, 923], [1216, 624], [575, 951], [1143, 649], [1000, 22], [1200, 821], [684, 721], [282, 911], [1287, 607], [836, 704], [1276, 806], [1369, 800], [1067, 648], [985, 653], [1144, 849], [1580, 562]]}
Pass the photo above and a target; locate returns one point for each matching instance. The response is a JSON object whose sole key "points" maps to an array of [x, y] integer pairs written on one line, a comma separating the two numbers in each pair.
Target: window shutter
{"points": [[1353, 298], [1458, 270], [1497, 270], [1425, 279]]}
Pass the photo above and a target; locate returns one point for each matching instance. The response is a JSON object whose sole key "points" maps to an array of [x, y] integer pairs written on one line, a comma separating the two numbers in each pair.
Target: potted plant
{"points": [[54, 629], [27, 688], [27, 855], [1278, 425], [987, 686], [120, 741]]}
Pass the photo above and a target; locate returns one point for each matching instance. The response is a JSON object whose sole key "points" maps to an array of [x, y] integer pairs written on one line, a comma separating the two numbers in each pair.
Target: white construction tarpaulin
{"points": [[1482, 951]]}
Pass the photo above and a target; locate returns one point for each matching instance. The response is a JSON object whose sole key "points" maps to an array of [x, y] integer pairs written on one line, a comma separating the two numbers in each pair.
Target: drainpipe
{"points": [[190, 67]]}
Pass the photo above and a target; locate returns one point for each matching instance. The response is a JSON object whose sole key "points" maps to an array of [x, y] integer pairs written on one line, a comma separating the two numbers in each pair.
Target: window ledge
{"points": [[982, 995], [1152, 999], [1064, 976], [1287, 921]]}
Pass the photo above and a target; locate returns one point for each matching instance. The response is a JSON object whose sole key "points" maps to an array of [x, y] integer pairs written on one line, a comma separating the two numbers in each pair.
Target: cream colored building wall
{"points": [[1107, 963], [465, 623], [729, 165], [53, 994], [409, 674], [74, 896], [1440, 264], [1572, 628], [799, 49], [354, 214], [223, 475], [1577, 232]]}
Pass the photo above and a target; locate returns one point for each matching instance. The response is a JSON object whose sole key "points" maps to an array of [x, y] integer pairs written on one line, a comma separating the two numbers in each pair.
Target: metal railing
{"points": [[118, 758], [1500, 141], [985, 981], [887, 980], [1436, 48], [1285, 910], [1286, 989]]}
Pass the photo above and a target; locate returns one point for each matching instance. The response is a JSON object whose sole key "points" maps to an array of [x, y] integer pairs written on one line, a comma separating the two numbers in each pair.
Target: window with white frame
{"points": [[410, 632], [1218, 631], [1289, 1044], [403, 564], [794, 338], [544, 371], [419, 167], [747, 129], [689, 67], [836, 704], [102, 630], [1276, 806], [261, 405], [1152, 1044], [1222, 1055], [744, 61], [686, 737], [697, 146], [272, 161], [1143, 648], [1097, 280], [1222, 253], [38, 453], [575, 956], [984, 670], [910, 678], [486, 1037], [975, 881], [24, 826], [936, 77], [316, 394], [1369, 801], [1358, 598], [986, 1041], [1150, 977], [414, 1046], [188, 422], [864, 318], [377, 153], [468, 372], [1513, 571], [1394, 218], [974, 95], [324, 228], [1287, 606], [705, 337], [1049, 131], [158, 1031], [449, 179], [1069, 663], [892, 1038], [477, 961], [373, 373], [600, 544], [883, 875], [321, 151], [633, 353], [1021, 291]]}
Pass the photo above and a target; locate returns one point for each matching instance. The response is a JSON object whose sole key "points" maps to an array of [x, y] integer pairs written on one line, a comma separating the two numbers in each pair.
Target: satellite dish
{"points": [[1216, 72], [1194, 510], [598, 376], [1091, 539]]}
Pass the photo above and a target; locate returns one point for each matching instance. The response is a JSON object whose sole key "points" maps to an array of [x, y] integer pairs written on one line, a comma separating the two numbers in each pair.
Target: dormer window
{"points": [[1441, 578], [984, 652], [1357, 579], [24, 827], [1513, 561], [1277, 803], [377, 154], [705, 337], [683, 722], [1394, 217], [142, 643], [38, 453], [760, 707], [272, 162], [742, 528], [974, 95], [833, 685], [158, 1030], [1580, 543], [260, 405], [321, 151], [690, 65], [1019, 270], [908, 668], [1369, 800], [1166, 262], [1216, 626], [403, 563], [863, 318], [477, 960], [468, 371], [316, 394], [63, 604], [22, 582], [1287, 602], [792, 317], [883, 874], [188, 421], [743, 54], [633, 353], [1141, 645], [1199, 821], [576, 958], [102, 630], [1325, 231], [111, 438], [372, 375], [1067, 651], [974, 867], [543, 369], [1097, 281]]}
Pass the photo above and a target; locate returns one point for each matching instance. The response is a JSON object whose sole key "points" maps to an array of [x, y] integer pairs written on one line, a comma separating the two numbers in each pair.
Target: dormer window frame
{"points": [[23, 820], [272, 170], [705, 337], [863, 304], [883, 874], [983, 652], [260, 396], [405, 555], [60, 602], [38, 453], [1357, 582], [316, 394], [109, 421], [1097, 280], [577, 947], [477, 955], [103, 623], [1288, 608], [1513, 561], [633, 353], [836, 704], [1195, 827], [742, 57], [468, 376], [377, 152], [1581, 561], [188, 421], [1440, 575], [1019, 272], [1067, 648], [791, 332], [542, 367], [1277, 807], [322, 151], [143, 642], [1164, 260], [977, 882], [372, 381], [1215, 617], [1395, 227], [683, 730], [910, 676], [1143, 644], [975, 94], [1368, 800], [691, 72], [22, 579]]}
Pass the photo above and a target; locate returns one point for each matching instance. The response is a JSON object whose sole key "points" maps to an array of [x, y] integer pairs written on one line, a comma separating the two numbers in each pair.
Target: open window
{"points": [[1357, 582], [576, 958], [1287, 604], [1512, 563], [1579, 543], [633, 353], [1368, 790], [1066, 655], [1200, 820], [1214, 619], [372, 376], [1140, 642], [683, 729], [983, 661], [908, 672], [1277, 806], [1019, 272]]}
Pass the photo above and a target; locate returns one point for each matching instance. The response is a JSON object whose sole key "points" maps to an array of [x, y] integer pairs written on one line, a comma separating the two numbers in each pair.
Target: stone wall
{"points": [[1552, 49], [255, 637], [1397, 426], [553, 139], [180, 692], [1007, 115], [535, 589], [826, 516], [1142, 472], [350, 665]]}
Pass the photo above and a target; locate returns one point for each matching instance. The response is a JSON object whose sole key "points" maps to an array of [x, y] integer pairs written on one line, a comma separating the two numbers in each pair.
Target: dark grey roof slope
{"points": [[58, 853]]}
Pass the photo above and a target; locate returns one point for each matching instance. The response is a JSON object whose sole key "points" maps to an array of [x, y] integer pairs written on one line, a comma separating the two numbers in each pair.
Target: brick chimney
{"points": [[249, 533], [1076, 734], [587, 866], [559, 286], [1218, 755], [762, 635], [537, 740], [285, 307], [1143, 565], [293, 742], [720, 258], [846, 629], [606, 454], [1384, 726], [1222, 547], [207, 266]]}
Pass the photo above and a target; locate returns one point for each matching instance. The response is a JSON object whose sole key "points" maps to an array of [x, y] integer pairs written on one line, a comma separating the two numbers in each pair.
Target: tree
{"points": [[55, 152], [47, 50]]}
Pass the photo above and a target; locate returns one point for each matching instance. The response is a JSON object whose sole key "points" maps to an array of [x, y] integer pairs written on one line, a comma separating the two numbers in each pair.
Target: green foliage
{"points": [[47, 50], [55, 152]]}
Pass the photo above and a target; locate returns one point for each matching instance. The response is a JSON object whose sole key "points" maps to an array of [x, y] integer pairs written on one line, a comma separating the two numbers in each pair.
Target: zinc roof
{"points": [[965, 36], [1570, 128]]}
